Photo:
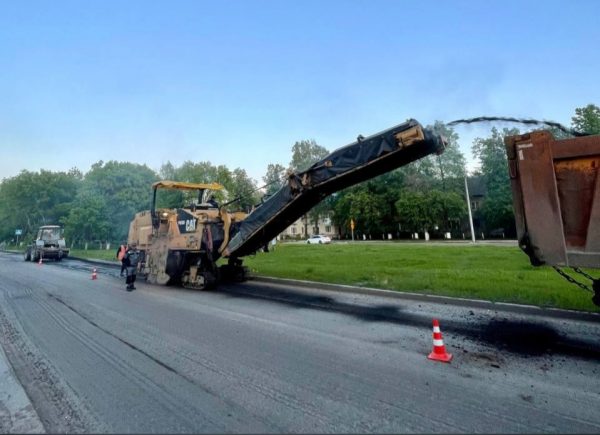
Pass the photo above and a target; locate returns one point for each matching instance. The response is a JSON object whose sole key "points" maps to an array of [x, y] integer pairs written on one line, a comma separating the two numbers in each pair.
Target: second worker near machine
{"points": [[131, 260]]}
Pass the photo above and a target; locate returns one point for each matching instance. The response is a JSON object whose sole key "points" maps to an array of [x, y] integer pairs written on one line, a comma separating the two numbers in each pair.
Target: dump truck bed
{"points": [[556, 196]]}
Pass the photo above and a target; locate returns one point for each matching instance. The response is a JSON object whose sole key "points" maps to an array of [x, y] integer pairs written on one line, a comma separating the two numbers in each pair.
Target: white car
{"points": [[318, 239]]}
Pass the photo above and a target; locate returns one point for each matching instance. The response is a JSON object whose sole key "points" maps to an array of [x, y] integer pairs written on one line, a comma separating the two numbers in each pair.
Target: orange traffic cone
{"points": [[439, 350], [94, 274]]}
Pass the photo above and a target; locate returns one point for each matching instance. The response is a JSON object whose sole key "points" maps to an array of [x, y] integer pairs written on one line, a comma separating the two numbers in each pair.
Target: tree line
{"points": [[425, 195]]}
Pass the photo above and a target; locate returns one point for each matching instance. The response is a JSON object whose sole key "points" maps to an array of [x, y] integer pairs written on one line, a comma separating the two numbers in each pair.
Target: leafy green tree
{"points": [[367, 212], [420, 175], [451, 163], [202, 172], [384, 190], [447, 209], [237, 184], [497, 207], [340, 203], [387, 187], [424, 211], [167, 171], [125, 188], [413, 214], [587, 119], [191, 172], [87, 220], [31, 199], [244, 188], [305, 153], [451, 166], [370, 204], [274, 178], [168, 198], [445, 171]]}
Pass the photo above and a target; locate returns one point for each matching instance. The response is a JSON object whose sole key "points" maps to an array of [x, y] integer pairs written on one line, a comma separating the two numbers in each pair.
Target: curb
{"points": [[555, 313], [94, 261]]}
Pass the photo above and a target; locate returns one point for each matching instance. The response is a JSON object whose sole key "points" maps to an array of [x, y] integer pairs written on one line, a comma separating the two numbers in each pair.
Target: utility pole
{"points": [[443, 190], [469, 208]]}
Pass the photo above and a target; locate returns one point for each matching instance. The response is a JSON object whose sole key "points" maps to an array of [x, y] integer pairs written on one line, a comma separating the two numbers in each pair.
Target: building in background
{"points": [[304, 227]]}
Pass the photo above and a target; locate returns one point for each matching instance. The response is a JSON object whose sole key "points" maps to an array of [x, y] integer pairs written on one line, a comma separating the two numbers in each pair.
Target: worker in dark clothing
{"points": [[131, 260]]}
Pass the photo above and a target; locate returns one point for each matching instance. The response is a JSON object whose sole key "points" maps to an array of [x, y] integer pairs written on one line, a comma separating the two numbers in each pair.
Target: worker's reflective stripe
{"points": [[436, 329], [438, 342]]}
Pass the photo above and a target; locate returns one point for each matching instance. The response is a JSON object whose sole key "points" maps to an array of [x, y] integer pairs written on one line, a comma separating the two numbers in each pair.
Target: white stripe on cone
{"points": [[438, 342]]}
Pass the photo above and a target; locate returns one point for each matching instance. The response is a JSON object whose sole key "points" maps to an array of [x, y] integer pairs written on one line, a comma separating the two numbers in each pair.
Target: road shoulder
{"points": [[17, 414], [556, 313]]}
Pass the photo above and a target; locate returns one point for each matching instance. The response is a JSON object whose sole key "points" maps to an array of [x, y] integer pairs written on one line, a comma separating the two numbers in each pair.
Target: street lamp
{"points": [[469, 208]]}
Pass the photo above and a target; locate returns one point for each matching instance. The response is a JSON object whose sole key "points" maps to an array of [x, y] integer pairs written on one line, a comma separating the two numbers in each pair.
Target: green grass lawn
{"points": [[496, 273], [490, 272], [96, 254]]}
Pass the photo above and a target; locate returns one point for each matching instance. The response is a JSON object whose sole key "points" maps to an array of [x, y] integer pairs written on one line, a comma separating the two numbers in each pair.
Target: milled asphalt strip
{"points": [[93, 261], [17, 414], [447, 300], [556, 313]]}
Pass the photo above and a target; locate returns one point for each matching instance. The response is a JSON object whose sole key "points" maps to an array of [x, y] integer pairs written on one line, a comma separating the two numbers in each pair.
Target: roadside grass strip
{"points": [[488, 272], [494, 273]]}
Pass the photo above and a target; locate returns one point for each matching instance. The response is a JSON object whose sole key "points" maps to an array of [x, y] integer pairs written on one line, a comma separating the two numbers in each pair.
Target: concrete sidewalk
{"points": [[17, 414]]}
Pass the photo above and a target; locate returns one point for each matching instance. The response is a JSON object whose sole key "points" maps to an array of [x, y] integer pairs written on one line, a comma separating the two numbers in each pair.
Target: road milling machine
{"points": [[555, 188], [182, 245]]}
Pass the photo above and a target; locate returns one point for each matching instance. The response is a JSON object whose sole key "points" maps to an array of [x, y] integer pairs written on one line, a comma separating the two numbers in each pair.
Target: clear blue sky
{"points": [[238, 82]]}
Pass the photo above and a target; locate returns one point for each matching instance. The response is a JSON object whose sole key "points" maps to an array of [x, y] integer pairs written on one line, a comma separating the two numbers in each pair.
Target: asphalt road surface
{"points": [[258, 358]]}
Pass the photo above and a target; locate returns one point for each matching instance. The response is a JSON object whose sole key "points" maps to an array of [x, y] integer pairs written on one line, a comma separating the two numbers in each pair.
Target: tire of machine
{"points": [[173, 268]]}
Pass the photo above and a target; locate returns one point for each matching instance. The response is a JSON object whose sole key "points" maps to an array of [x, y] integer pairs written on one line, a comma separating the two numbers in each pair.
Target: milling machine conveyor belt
{"points": [[359, 161]]}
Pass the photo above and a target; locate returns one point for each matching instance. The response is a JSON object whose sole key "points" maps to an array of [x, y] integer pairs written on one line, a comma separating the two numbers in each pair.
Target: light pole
{"points": [[469, 208]]}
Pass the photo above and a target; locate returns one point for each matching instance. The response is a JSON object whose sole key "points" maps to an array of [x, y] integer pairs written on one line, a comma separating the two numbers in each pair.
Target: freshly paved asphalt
{"points": [[259, 357]]}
